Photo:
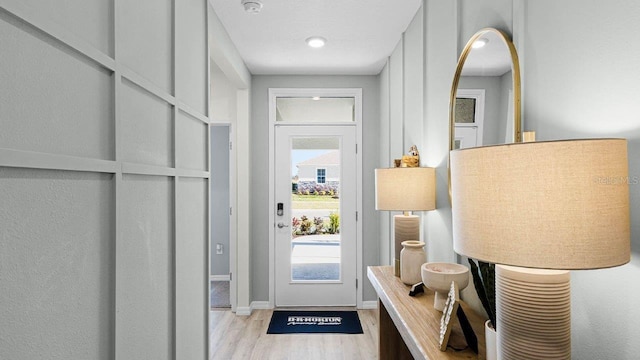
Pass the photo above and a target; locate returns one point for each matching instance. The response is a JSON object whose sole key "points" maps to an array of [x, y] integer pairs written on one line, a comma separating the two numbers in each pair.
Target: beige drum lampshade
{"points": [[406, 189], [551, 205]]}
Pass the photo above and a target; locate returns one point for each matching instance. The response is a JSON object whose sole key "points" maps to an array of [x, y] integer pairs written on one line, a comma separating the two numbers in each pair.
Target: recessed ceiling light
{"points": [[315, 98], [479, 43], [316, 41]]}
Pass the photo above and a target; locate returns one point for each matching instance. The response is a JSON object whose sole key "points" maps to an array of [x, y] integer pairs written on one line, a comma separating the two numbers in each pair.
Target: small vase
{"points": [[412, 257], [490, 339]]}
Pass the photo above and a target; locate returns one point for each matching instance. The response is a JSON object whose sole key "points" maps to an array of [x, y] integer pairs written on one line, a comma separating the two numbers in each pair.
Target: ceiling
{"points": [[493, 59], [360, 34]]}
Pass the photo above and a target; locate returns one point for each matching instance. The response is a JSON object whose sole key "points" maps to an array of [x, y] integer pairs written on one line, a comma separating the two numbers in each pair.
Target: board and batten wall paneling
{"points": [[441, 57], [385, 160], [146, 127], [97, 212], [144, 282], [56, 264], [89, 20], [191, 143], [475, 15], [191, 264], [191, 55], [54, 99], [413, 59], [396, 104], [145, 39]]}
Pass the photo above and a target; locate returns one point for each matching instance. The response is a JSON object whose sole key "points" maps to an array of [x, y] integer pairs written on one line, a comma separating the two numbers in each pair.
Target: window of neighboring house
{"points": [[321, 176]]}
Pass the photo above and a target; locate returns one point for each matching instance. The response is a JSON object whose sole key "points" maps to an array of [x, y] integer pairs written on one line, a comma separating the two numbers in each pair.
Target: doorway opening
{"points": [[220, 193], [315, 245]]}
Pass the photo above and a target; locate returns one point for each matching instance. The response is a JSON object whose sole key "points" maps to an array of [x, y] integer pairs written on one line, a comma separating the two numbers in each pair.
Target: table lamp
{"points": [[405, 189], [538, 210]]}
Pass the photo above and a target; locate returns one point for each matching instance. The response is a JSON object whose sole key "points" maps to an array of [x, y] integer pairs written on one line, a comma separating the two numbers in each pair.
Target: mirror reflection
{"points": [[486, 88]]}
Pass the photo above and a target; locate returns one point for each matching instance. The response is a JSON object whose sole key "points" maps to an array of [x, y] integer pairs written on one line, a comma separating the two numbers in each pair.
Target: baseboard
{"points": [[243, 310], [264, 305], [219, 278], [255, 305], [368, 305], [260, 305]]}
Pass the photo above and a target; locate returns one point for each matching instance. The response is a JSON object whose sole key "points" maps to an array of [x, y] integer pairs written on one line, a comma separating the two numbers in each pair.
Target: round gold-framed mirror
{"points": [[484, 105]]}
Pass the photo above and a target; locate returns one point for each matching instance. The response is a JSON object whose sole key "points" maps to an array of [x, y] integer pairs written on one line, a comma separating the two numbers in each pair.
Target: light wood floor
{"points": [[245, 337]]}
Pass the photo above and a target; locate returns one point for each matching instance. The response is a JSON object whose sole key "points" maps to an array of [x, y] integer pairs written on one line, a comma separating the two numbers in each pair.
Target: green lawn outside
{"points": [[314, 202]]}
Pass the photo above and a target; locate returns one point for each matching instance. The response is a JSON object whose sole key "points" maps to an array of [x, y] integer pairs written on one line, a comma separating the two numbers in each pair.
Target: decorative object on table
{"points": [[448, 315], [549, 207], [416, 289], [467, 330], [397, 162], [412, 159], [490, 341], [484, 281], [405, 189], [412, 256], [529, 136], [438, 277]]}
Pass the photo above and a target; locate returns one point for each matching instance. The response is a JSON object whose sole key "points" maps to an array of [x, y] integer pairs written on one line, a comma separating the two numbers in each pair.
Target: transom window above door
{"points": [[315, 109]]}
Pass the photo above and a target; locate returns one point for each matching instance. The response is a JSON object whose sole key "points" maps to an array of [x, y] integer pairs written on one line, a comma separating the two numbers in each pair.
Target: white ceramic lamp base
{"points": [[533, 310]]}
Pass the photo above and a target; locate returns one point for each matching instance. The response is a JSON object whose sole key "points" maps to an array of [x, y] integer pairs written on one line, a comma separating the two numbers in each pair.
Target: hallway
{"points": [[245, 337]]}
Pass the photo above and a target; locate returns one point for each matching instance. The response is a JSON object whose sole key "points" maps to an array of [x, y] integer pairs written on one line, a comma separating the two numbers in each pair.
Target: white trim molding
{"points": [[219, 278], [356, 93], [255, 305], [369, 305]]}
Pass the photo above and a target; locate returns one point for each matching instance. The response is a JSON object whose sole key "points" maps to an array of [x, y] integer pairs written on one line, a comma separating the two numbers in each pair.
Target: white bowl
{"points": [[438, 277]]}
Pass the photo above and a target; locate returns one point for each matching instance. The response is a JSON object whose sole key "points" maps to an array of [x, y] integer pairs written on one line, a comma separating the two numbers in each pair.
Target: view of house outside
{"points": [[315, 224]]}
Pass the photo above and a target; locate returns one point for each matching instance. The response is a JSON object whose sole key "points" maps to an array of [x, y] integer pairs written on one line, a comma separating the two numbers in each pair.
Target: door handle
{"points": [[282, 225]]}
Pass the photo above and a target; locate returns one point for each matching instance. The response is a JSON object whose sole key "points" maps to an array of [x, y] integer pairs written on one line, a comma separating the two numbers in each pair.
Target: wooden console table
{"points": [[409, 327]]}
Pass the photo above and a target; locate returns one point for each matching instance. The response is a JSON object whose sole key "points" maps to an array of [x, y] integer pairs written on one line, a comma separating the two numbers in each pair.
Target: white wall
{"points": [[572, 88], [384, 160], [581, 89], [413, 74], [413, 84], [103, 179], [229, 104]]}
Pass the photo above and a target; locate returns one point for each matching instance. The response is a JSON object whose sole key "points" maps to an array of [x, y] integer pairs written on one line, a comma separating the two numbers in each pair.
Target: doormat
{"points": [[315, 322]]}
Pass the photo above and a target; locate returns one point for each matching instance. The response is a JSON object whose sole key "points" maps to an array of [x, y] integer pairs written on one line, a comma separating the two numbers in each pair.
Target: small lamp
{"points": [[405, 189], [537, 210]]}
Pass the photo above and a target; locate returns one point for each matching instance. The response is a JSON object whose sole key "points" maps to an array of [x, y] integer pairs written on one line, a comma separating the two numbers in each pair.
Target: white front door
{"points": [[315, 215]]}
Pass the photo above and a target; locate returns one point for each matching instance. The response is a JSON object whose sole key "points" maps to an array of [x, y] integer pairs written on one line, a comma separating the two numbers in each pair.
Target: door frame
{"points": [[356, 93]]}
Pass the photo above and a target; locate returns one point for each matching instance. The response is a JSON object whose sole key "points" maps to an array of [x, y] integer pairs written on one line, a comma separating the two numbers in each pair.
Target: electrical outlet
{"points": [[218, 249]]}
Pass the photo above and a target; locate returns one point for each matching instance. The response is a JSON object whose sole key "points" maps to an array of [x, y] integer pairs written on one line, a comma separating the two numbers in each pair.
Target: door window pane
{"points": [[315, 204], [465, 110]]}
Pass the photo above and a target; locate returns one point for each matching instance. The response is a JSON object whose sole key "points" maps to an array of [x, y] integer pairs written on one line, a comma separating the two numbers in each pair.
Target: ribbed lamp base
{"points": [[533, 310]]}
